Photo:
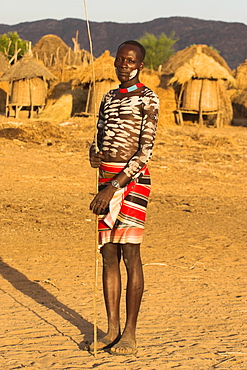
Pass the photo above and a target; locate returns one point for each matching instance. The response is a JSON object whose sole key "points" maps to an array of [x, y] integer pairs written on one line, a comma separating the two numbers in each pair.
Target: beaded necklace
{"points": [[131, 88]]}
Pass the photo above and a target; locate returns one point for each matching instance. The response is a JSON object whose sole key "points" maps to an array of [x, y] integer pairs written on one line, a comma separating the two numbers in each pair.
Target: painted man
{"points": [[125, 136]]}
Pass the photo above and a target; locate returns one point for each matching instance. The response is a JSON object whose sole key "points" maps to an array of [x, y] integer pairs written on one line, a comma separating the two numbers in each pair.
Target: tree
{"points": [[158, 49], [10, 43]]}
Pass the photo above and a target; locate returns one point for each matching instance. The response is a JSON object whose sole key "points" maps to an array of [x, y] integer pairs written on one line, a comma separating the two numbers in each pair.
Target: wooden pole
{"points": [[63, 68], [88, 98], [7, 108], [69, 57], [96, 218], [16, 51], [14, 57], [30, 97], [200, 106]]}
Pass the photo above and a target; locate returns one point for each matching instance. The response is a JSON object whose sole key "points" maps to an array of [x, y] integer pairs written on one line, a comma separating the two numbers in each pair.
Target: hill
{"points": [[228, 38]]}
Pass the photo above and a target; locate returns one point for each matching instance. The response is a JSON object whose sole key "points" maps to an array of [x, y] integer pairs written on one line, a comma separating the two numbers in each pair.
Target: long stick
{"points": [[96, 218]]}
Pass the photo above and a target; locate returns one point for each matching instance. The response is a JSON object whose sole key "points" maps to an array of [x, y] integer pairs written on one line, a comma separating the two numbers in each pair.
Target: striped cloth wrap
{"points": [[124, 218]]}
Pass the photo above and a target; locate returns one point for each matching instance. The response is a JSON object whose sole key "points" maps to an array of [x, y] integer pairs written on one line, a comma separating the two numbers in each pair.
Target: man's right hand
{"points": [[96, 159]]}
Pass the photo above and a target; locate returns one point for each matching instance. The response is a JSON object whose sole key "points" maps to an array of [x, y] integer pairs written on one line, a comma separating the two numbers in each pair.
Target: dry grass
{"points": [[103, 69], [4, 63], [183, 56], [240, 75], [27, 68], [35, 132], [201, 66]]}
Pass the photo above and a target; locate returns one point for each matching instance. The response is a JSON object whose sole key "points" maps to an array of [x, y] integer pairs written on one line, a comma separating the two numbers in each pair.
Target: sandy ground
{"points": [[193, 314]]}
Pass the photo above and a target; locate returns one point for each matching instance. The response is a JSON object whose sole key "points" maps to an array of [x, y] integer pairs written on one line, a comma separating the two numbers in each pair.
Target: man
{"points": [[126, 132]]}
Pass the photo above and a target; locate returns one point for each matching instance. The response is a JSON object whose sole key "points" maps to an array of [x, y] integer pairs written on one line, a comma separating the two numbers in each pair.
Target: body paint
{"points": [[133, 74]]}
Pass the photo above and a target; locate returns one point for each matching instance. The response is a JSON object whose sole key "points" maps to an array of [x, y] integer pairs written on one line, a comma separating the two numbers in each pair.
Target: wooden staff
{"points": [[96, 218]]}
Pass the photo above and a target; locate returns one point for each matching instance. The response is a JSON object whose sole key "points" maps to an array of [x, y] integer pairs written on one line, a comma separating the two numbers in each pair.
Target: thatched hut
{"points": [[4, 65], [240, 75], [196, 73], [166, 96], [105, 80], [239, 97], [53, 51], [27, 85]]}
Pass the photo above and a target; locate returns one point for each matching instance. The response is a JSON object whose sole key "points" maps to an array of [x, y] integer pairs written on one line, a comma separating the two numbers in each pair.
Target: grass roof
{"points": [[103, 68], [201, 66], [241, 76], [26, 68], [185, 55], [49, 44], [4, 63], [52, 45]]}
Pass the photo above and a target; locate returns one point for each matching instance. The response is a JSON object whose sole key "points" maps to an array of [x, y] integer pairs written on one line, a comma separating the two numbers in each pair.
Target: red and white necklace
{"points": [[131, 88]]}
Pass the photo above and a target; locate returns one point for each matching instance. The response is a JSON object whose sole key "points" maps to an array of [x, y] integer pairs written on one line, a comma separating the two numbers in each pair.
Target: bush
{"points": [[158, 49]]}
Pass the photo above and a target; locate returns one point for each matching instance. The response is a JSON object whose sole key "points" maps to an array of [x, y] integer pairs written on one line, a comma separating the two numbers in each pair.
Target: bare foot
{"points": [[103, 343], [124, 347]]}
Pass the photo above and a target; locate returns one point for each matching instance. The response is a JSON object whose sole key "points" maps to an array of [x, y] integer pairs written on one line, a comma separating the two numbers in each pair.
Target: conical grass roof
{"points": [[52, 47], [103, 68], [185, 55], [49, 44], [201, 66], [27, 68]]}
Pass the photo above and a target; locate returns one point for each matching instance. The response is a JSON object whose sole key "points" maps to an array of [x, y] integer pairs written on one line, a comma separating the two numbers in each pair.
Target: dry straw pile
{"points": [[63, 102], [239, 96], [241, 76]]}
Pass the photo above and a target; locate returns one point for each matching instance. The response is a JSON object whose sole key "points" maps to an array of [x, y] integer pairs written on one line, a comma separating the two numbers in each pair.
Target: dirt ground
{"points": [[193, 314]]}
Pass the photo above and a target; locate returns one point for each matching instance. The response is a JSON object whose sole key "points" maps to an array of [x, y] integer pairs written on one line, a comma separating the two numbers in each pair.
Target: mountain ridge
{"points": [[229, 38]]}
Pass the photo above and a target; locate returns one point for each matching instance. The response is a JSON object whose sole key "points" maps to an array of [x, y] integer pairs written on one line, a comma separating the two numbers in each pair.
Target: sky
{"points": [[127, 11]]}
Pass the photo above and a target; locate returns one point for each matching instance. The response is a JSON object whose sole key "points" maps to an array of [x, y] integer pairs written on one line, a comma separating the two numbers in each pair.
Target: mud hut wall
{"points": [[200, 93], [209, 98], [3, 95], [191, 95], [38, 91], [27, 92]]}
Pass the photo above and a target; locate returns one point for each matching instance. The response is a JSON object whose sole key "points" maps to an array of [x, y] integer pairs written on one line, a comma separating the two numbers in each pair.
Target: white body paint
{"points": [[127, 127]]}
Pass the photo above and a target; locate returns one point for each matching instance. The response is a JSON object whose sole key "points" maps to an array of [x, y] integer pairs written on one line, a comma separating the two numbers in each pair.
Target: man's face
{"points": [[128, 62]]}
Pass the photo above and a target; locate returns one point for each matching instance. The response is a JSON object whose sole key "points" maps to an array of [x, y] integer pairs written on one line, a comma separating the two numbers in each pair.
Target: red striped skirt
{"points": [[124, 218]]}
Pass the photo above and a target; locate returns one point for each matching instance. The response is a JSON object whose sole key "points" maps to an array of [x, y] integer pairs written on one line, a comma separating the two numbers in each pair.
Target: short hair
{"points": [[136, 43]]}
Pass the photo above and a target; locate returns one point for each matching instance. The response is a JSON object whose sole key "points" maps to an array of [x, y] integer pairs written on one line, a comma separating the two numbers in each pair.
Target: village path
{"points": [[193, 315]]}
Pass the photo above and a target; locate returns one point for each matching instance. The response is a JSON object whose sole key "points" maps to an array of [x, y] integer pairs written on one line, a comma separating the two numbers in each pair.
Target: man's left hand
{"points": [[102, 200]]}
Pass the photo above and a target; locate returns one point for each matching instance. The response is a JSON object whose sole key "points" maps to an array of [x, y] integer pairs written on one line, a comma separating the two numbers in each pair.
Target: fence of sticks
{"points": [[53, 51]]}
